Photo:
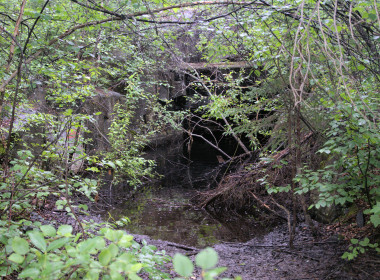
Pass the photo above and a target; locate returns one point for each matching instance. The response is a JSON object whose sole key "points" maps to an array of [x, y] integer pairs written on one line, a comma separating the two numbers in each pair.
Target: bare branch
{"points": [[15, 34]]}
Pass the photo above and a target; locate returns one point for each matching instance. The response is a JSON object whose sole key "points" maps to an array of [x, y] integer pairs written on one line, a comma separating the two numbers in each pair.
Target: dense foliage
{"points": [[310, 66]]}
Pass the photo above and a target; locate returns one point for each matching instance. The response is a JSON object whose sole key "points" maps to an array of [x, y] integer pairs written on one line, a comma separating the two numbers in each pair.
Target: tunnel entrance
{"points": [[207, 138]]}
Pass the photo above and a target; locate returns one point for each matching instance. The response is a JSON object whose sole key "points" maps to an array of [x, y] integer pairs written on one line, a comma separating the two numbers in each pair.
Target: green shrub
{"points": [[206, 260], [48, 253]]}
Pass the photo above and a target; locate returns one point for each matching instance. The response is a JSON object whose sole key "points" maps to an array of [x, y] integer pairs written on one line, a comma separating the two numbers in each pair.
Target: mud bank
{"points": [[269, 257], [264, 257]]}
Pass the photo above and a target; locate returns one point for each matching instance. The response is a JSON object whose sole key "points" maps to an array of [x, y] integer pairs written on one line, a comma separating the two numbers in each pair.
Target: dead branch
{"points": [[266, 206], [15, 34], [235, 189]]}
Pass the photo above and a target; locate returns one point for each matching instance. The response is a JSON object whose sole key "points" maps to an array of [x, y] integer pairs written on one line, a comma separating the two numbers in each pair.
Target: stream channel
{"points": [[164, 216], [164, 211]]}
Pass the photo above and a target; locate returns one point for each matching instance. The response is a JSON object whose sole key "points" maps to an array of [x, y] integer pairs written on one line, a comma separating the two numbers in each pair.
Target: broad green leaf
{"points": [[20, 245], [113, 249], [111, 164], [57, 244], [88, 246], [125, 241], [136, 267], [115, 275], [105, 256], [29, 273], [364, 242], [92, 274], [133, 276], [207, 258], [119, 266], [100, 243], [119, 234], [48, 230], [183, 265], [375, 220], [37, 240], [65, 230], [109, 234], [16, 258]]}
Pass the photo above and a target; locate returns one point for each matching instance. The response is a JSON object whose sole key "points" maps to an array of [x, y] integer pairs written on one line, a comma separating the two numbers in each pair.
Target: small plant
{"points": [[207, 260], [359, 247], [48, 253]]}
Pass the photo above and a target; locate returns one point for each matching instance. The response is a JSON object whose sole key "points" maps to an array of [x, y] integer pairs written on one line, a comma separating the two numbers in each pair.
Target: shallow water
{"points": [[165, 211]]}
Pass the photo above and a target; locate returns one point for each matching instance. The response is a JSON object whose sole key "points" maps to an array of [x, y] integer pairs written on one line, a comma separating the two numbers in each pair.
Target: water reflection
{"points": [[165, 211]]}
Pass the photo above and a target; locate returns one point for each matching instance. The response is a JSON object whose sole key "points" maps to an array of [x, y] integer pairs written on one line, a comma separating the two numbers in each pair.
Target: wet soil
{"points": [[269, 257], [165, 217], [263, 257]]}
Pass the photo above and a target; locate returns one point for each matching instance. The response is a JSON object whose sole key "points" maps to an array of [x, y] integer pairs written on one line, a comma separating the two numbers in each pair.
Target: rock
{"points": [[326, 214], [104, 102], [360, 219]]}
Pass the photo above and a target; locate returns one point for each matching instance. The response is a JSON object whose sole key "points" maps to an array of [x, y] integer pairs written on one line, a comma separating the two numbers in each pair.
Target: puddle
{"points": [[165, 211]]}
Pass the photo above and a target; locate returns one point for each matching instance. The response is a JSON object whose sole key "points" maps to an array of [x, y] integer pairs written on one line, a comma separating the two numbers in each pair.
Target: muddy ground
{"points": [[267, 257], [270, 257]]}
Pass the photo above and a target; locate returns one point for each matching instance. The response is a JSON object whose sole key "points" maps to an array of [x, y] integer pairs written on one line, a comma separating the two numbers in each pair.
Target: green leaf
{"points": [[207, 258], [48, 230], [109, 234], [37, 240], [16, 258], [113, 249], [83, 206], [57, 244], [88, 246], [29, 272], [65, 230], [375, 220], [111, 164], [105, 256], [68, 112], [115, 275], [212, 274], [372, 16], [135, 268], [125, 241], [364, 242], [361, 67], [133, 276], [183, 265], [99, 242], [92, 275], [354, 241], [20, 245]]}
